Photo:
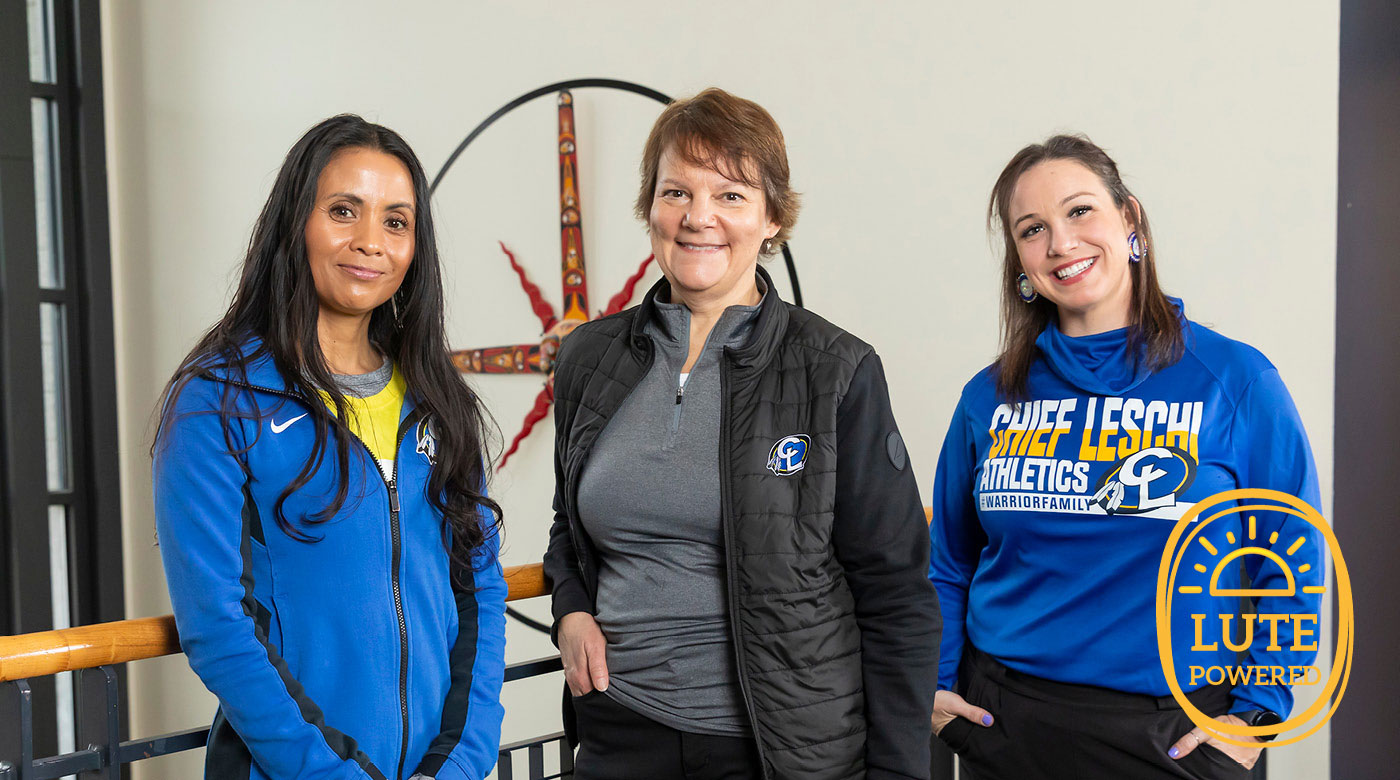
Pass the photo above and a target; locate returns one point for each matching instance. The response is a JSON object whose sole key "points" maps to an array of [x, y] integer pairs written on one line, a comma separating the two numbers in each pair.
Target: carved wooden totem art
{"points": [[538, 357]]}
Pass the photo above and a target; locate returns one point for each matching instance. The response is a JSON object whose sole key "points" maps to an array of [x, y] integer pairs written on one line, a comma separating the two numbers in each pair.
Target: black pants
{"points": [[1045, 729], [615, 743]]}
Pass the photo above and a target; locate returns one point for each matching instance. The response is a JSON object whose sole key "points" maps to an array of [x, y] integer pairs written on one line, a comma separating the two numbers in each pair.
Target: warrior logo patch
{"points": [[427, 442], [1148, 479], [789, 455]]}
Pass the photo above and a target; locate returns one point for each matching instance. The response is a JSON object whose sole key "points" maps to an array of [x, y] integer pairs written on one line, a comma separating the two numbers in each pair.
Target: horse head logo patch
{"points": [[789, 455]]}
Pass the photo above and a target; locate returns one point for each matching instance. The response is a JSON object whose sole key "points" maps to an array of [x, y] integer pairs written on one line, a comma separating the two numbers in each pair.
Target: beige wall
{"points": [[898, 118]]}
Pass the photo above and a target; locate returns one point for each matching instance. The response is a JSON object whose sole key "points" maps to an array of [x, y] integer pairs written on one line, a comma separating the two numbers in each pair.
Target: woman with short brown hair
{"points": [[738, 559]]}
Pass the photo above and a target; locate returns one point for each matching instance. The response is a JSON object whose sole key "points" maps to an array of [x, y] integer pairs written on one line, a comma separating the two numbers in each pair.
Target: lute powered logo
{"points": [[1283, 544]]}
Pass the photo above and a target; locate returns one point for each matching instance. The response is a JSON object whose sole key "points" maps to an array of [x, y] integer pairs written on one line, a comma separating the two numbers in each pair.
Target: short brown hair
{"points": [[1153, 322], [732, 136]]}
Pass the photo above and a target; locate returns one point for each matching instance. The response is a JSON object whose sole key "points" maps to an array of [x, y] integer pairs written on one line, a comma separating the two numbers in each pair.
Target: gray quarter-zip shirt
{"points": [[649, 498]]}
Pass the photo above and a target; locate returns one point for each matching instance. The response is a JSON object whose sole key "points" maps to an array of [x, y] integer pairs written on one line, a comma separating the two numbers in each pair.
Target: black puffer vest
{"points": [[792, 609]]}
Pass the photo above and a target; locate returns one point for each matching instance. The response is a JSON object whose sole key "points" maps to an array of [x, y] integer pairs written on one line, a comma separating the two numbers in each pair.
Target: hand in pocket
{"points": [[948, 705], [1244, 756], [583, 649]]}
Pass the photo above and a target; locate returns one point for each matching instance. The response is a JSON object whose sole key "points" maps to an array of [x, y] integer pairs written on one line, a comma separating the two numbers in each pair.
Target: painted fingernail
{"points": [[1174, 752], [986, 720]]}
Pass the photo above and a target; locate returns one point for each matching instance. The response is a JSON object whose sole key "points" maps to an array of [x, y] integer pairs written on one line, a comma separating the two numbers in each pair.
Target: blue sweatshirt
{"points": [[353, 656], [1050, 518]]}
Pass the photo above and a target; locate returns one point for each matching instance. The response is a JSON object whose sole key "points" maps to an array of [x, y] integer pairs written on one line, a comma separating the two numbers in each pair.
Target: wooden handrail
{"points": [[525, 582], [50, 652]]}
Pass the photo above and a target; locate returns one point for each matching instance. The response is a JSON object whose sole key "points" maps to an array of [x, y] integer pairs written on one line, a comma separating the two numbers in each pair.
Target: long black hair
{"points": [[276, 307]]}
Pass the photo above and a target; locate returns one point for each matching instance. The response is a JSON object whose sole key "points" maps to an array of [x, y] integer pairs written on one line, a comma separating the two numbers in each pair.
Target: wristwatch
{"points": [[1260, 718]]}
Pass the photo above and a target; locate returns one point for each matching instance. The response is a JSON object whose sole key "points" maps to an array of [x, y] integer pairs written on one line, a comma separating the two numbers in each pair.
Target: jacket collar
{"points": [[754, 353], [258, 369]]}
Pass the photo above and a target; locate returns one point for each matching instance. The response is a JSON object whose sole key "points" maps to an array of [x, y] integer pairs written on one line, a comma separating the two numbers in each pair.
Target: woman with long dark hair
{"points": [[320, 490], [1106, 416]]}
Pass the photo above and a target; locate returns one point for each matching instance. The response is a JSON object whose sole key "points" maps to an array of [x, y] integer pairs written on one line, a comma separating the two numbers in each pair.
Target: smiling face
{"points": [[359, 237], [1073, 245], [706, 231]]}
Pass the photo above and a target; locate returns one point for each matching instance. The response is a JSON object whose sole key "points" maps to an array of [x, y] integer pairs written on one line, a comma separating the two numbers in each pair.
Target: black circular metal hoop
{"points": [[625, 86]]}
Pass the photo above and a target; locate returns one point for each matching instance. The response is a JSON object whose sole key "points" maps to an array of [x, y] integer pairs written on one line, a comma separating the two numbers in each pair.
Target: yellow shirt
{"points": [[375, 420]]}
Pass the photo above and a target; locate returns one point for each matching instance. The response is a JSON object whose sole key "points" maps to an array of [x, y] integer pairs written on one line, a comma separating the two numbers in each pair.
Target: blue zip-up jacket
{"points": [[1049, 520], [353, 656]]}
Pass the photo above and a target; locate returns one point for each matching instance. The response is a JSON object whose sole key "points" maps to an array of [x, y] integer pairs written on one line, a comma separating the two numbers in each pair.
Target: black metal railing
{"points": [[93, 654], [106, 756]]}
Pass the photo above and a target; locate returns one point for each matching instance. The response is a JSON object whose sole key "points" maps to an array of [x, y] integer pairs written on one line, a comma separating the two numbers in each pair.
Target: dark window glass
{"points": [[62, 618], [40, 41], [44, 116], [53, 339]]}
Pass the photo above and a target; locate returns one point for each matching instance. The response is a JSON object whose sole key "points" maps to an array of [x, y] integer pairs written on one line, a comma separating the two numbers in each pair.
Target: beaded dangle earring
{"points": [[1025, 289], [1136, 250]]}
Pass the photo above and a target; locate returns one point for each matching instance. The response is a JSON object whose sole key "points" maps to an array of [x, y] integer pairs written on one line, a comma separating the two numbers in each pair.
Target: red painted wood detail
{"points": [[575, 276], [513, 359], [539, 358], [540, 306], [536, 413], [619, 302]]}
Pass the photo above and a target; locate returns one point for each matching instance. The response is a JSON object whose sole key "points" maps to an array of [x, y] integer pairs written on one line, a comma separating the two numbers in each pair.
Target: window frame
{"points": [[93, 498]]}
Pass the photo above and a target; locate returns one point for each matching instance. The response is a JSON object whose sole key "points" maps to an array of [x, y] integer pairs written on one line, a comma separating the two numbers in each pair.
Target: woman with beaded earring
{"points": [[1106, 415]]}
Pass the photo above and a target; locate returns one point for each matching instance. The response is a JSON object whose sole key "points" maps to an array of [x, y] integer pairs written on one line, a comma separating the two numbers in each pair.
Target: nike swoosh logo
{"points": [[279, 428]]}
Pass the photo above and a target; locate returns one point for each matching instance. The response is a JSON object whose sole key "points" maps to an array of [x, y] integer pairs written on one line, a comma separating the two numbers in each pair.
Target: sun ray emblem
{"points": [[1241, 551], [538, 357]]}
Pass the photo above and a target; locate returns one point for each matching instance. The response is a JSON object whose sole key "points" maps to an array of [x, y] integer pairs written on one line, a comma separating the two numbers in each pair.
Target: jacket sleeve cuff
{"points": [[1246, 698], [569, 596]]}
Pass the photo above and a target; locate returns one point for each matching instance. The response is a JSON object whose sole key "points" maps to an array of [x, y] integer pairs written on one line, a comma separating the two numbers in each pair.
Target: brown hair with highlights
{"points": [[1154, 330], [731, 136]]}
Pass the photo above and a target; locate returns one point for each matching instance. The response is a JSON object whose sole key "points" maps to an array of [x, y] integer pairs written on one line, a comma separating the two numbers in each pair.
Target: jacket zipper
{"points": [[682, 379], [676, 418], [391, 485], [731, 577]]}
